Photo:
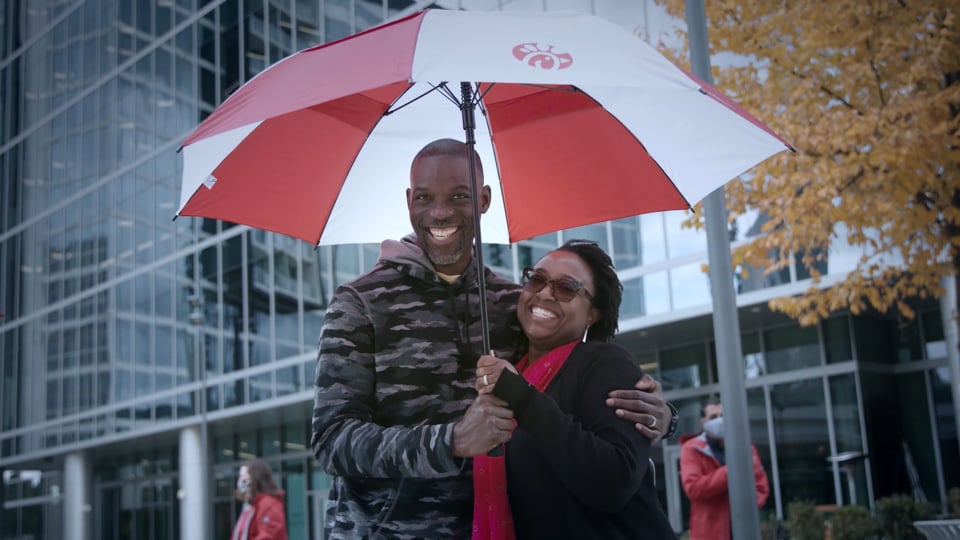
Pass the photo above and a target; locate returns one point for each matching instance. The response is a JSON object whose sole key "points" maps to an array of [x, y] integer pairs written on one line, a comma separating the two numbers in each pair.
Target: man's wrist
{"points": [[674, 422]]}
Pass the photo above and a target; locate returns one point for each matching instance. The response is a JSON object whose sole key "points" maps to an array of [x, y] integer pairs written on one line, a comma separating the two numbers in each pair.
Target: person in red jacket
{"points": [[263, 515], [703, 472]]}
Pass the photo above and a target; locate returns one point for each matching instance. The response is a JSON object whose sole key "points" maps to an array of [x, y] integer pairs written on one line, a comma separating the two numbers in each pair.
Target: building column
{"points": [[193, 494], [77, 487], [949, 314]]}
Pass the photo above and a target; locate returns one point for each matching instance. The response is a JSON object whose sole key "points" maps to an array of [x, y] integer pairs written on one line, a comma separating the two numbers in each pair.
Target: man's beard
{"points": [[445, 260]]}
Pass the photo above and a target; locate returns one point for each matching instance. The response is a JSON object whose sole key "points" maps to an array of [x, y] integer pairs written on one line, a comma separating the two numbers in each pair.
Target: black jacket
{"points": [[574, 469]]}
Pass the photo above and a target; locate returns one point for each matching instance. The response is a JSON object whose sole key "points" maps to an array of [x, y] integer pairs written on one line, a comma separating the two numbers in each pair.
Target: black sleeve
{"points": [[515, 390]]}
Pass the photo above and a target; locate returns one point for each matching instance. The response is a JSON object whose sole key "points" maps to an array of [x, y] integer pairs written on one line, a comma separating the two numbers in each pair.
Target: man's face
{"points": [[441, 210], [711, 412]]}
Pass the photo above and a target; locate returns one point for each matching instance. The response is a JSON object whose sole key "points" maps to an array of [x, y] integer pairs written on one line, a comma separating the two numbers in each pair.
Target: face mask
{"points": [[243, 485], [714, 428]]}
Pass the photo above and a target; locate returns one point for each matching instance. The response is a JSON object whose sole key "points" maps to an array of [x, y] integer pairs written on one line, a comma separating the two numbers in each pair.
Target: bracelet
{"points": [[674, 422]]}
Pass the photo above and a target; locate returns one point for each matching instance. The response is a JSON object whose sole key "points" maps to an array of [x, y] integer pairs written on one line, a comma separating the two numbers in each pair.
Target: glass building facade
{"points": [[130, 343]]}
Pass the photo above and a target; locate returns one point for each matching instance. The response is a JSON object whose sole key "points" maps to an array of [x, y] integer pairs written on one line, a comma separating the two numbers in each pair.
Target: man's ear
{"points": [[485, 196], [408, 199]]}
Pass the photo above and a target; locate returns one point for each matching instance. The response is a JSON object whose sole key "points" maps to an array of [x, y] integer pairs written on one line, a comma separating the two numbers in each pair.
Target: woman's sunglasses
{"points": [[564, 288]]}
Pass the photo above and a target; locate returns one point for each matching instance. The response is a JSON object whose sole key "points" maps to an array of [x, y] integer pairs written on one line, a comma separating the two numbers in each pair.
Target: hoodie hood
{"points": [[407, 256]]}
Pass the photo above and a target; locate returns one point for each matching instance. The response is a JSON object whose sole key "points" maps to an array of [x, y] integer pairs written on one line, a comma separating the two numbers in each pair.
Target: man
{"points": [[704, 476], [395, 414]]}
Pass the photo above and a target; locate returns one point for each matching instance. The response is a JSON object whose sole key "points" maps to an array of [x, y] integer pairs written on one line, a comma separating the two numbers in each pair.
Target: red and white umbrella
{"points": [[579, 122]]}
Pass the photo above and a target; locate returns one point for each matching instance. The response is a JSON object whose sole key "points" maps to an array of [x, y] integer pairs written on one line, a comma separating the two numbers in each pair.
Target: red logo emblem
{"points": [[542, 56]]}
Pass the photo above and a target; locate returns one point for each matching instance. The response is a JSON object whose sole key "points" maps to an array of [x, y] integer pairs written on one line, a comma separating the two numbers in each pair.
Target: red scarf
{"points": [[492, 519]]}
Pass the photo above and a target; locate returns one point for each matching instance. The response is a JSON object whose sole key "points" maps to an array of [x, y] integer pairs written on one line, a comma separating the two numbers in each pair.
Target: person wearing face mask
{"points": [[703, 473], [262, 517]]}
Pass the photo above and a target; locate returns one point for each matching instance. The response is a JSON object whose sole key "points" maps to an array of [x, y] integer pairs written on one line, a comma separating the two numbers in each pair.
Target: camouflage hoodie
{"points": [[395, 372]]}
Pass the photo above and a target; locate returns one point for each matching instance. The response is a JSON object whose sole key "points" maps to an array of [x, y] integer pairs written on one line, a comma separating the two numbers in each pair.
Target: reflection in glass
{"points": [[683, 367], [652, 240], [836, 338], [946, 424], [803, 443], [682, 241], [754, 364], [932, 325], [792, 347], [844, 406], [876, 339], [757, 417], [689, 286], [656, 293]]}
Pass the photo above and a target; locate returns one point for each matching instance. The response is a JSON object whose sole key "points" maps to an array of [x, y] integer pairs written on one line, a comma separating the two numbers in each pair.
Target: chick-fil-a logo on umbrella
{"points": [[542, 56]]}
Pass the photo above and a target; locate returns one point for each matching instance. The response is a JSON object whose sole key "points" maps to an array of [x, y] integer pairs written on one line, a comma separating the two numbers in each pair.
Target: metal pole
{"points": [[744, 517], [198, 319]]}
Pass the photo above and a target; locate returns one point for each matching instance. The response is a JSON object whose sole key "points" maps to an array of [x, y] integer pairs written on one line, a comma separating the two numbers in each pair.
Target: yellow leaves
{"points": [[862, 91]]}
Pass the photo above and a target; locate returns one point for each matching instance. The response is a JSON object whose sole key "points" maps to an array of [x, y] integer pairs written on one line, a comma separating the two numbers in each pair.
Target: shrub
{"points": [[852, 523], [953, 501], [804, 522], [770, 529], [896, 515]]}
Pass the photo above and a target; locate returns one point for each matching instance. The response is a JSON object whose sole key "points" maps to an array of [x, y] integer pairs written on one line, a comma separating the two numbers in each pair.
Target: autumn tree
{"points": [[869, 95]]}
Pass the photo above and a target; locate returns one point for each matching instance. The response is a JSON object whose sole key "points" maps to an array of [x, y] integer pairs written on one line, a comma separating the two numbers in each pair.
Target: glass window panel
{"points": [[163, 293], [917, 437], [683, 367], [682, 241], [631, 304], [164, 408], [233, 394], [689, 286], [186, 355], [143, 383], [876, 339], [792, 347], [53, 398], [934, 343], [836, 336], [656, 293], [596, 232], [85, 391], [288, 380], [124, 384], [754, 364], [757, 416], [909, 346], [164, 342], [945, 419], [142, 344], [261, 387], [213, 398], [338, 20], [627, 246], [803, 443], [653, 246]]}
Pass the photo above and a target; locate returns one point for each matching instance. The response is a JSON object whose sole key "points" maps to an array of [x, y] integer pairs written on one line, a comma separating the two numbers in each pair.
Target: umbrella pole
{"points": [[469, 125]]}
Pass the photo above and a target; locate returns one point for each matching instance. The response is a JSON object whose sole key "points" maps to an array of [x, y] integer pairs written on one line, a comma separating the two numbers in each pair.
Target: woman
{"points": [[572, 469], [262, 517]]}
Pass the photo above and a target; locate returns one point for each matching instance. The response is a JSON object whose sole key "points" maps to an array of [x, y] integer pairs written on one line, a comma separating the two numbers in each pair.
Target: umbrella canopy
{"points": [[580, 122]]}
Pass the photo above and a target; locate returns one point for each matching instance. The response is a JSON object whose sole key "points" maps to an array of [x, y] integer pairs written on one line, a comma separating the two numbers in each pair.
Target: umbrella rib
{"points": [[442, 88]]}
